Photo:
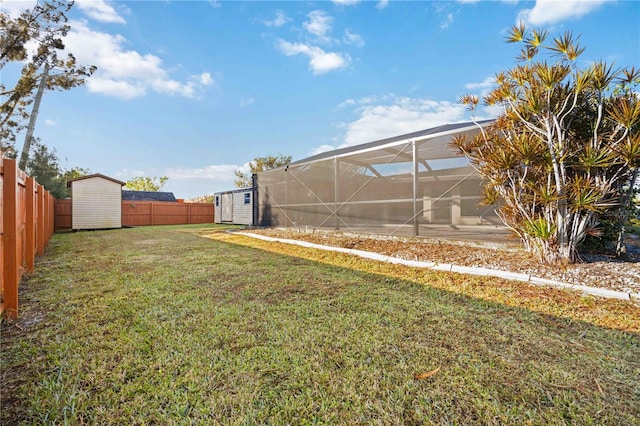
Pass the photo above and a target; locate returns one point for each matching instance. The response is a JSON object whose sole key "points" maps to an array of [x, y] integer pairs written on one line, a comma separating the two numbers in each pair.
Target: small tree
{"points": [[44, 167], [75, 173], [565, 150], [142, 183], [260, 164], [207, 198]]}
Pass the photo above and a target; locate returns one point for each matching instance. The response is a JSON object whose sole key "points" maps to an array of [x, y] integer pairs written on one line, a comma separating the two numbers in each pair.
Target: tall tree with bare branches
{"points": [[35, 39]]}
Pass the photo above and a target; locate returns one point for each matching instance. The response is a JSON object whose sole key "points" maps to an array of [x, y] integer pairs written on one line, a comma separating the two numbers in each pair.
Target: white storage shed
{"points": [[96, 202], [235, 206]]}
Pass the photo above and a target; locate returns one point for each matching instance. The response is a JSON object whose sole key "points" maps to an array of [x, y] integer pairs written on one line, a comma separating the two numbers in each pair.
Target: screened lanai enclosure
{"points": [[409, 185]]}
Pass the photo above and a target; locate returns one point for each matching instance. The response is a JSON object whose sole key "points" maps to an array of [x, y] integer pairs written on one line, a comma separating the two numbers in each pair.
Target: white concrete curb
{"points": [[594, 291]]}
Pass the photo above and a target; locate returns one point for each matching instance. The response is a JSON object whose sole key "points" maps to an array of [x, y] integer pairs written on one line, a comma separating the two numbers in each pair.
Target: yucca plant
{"points": [[565, 150]]}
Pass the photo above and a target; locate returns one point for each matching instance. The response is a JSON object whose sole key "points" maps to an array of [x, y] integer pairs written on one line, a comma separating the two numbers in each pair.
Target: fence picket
{"points": [[24, 231]]}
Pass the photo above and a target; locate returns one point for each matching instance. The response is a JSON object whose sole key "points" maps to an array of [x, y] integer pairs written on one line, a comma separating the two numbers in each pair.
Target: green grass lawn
{"points": [[158, 325]]}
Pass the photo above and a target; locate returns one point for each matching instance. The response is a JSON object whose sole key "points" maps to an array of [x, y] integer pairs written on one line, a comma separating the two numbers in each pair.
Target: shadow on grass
{"points": [[157, 325]]}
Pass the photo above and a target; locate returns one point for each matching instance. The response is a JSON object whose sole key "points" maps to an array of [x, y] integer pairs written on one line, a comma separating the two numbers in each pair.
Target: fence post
{"points": [[40, 233], [32, 217], [10, 228], [47, 217], [52, 217], [44, 218]]}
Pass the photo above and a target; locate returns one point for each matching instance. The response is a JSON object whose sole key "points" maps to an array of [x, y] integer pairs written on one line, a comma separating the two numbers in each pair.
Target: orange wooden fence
{"points": [[140, 213], [63, 214], [25, 229], [144, 213]]}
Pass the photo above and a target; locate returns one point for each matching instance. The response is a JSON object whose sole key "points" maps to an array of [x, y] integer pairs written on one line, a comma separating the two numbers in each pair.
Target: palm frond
{"points": [[516, 33], [538, 37], [541, 228], [603, 75], [631, 75], [566, 47], [629, 150], [625, 111], [592, 157]]}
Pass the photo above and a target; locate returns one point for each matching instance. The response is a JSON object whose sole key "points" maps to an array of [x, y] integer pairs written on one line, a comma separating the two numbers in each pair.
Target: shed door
{"points": [[227, 207]]}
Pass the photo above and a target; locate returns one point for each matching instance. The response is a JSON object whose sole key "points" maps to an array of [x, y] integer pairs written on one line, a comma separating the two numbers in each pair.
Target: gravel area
{"points": [[595, 271]]}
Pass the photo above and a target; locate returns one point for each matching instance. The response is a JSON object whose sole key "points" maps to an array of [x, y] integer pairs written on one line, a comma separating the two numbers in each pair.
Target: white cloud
{"points": [[247, 102], [484, 87], [100, 10], [125, 73], [368, 100], [319, 25], [278, 21], [49, 122], [14, 8], [205, 79], [382, 4], [346, 103], [222, 173], [487, 82], [126, 174], [448, 20], [401, 115], [119, 89], [193, 182], [190, 182], [320, 61], [346, 2], [354, 39], [551, 11], [380, 117], [489, 111], [321, 149]]}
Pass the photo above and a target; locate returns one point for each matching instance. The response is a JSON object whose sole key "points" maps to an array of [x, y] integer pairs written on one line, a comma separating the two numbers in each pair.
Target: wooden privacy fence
{"points": [[25, 229], [141, 213], [145, 213]]}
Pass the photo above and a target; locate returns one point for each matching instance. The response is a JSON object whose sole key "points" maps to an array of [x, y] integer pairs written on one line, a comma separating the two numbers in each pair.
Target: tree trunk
{"points": [[26, 147]]}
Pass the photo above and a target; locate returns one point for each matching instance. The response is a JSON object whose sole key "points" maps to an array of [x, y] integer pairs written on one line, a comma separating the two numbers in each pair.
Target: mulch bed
{"points": [[596, 271]]}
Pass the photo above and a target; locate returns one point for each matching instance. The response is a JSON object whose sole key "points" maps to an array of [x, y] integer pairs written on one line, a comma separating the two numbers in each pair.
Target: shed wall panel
{"points": [[96, 204], [242, 213]]}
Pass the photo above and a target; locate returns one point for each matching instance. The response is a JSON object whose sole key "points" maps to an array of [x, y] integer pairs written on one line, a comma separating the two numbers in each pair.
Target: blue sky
{"points": [[196, 89]]}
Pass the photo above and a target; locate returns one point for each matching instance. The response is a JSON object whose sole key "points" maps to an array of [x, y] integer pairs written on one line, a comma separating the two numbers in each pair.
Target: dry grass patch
{"points": [[617, 314]]}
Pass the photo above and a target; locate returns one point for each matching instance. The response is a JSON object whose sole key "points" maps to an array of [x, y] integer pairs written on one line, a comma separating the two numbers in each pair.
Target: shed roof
{"points": [[128, 195], [95, 175], [437, 147], [234, 191]]}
